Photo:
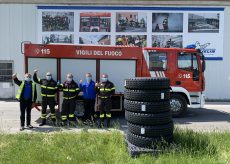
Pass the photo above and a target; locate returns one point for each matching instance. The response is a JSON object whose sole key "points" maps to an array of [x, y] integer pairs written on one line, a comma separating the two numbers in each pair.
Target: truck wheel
{"points": [[147, 142], [147, 95], [148, 119], [178, 105], [147, 83], [147, 107], [151, 131]]}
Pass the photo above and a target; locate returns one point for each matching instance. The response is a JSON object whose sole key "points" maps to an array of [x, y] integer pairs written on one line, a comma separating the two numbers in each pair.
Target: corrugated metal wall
{"points": [[18, 23], [218, 72]]}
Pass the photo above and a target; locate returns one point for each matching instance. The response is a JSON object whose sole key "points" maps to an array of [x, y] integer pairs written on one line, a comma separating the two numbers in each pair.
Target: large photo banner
{"points": [[169, 27]]}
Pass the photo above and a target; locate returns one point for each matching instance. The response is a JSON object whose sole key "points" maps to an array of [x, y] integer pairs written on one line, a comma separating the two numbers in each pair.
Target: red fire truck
{"points": [[184, 67], [95, 22]]}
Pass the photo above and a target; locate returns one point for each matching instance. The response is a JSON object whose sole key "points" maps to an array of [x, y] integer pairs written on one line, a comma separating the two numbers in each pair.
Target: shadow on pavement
{"points": [[118, 120], [203, 115]]}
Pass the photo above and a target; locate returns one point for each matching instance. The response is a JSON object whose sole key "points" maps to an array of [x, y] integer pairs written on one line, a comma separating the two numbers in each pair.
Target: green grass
{"points": [[110, 147]]}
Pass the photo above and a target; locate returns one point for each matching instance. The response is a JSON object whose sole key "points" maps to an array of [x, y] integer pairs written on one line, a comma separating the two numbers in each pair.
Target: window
{"points": [[187, 61], [6, 72], [157, 61]]}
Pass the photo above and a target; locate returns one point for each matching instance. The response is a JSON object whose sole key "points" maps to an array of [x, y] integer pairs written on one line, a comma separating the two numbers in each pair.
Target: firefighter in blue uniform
{"points": [[26, 95]]}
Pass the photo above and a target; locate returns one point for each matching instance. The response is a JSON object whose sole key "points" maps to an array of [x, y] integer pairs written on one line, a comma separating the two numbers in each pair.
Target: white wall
{"points": [[18, 23], [218, 72]]}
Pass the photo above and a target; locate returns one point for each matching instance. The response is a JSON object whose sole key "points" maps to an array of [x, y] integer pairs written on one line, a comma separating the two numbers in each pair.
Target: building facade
{"points": [[20, 22]]}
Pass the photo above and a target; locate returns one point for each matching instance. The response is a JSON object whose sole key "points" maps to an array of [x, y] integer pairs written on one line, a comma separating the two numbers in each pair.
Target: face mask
{"points": [[69, 79], [88, 79], [27, 79], [104, 79], [48, 78]]}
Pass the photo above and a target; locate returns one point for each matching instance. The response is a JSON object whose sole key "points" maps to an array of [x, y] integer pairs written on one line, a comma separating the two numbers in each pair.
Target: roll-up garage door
{"points": [[43, 65], [118, 71]]}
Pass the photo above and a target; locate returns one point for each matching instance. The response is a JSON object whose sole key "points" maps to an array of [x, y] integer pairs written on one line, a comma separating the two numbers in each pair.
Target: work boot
{"points": [[54, 123], [43, 123], [107, 122], [72, 123], [22, 128], [99, 123], [30, 126], [64, 123]]}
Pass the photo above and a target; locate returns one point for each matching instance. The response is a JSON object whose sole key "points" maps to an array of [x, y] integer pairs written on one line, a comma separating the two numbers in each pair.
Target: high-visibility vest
{"points": [[19, 94]]}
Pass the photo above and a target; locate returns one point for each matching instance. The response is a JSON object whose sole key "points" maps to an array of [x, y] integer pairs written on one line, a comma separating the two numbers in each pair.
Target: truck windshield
{"points": [[157, 61]]}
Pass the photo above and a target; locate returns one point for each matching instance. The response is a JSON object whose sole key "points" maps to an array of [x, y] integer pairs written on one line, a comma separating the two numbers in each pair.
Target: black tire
{"points": [[147, 142], [151, 131], [148, 119], [147, 83], [147, 107], [178, 105], [147, 95]]}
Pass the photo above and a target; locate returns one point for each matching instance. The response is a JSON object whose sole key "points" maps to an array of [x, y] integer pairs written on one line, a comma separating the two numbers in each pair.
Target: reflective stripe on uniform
{"points": [[64, 117], [103, 97], [108, 115], [18, 96], [71, 115], [102, 115], [53, 115], [43, 115], [44, 95], [71, 90], [43, 86], [69, 97], [113, 88], [107, 89]]}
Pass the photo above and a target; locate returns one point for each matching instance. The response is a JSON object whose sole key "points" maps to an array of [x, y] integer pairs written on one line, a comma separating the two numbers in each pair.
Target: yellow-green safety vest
{"points": [[19, 94]]}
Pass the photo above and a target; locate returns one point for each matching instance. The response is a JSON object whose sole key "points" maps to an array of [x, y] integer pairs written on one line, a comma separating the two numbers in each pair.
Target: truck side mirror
{"points": [[203, 63]]}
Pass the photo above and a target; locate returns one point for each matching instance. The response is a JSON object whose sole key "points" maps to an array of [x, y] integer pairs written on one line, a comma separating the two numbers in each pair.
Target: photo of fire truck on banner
{"points": [[57, 38], [95, 22], [95, 39], [204, 22], [57, 21]]}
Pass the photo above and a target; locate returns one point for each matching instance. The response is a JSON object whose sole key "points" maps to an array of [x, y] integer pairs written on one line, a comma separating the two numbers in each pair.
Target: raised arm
{"points": [[16, 81], [35, 78]]}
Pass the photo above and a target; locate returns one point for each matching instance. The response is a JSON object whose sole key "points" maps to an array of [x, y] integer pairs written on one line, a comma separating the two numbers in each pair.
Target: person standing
{"points": [[26, 95], [105, 89], [89, 96], [70, 92], [48, 93], [165, 24]]}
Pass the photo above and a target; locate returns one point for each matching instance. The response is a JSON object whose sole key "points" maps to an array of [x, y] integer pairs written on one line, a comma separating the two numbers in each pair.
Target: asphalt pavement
{"points": [[215, 116]]}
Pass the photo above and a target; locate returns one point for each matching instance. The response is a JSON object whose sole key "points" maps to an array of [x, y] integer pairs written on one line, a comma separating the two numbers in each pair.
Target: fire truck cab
{"points": [[184, 67]]}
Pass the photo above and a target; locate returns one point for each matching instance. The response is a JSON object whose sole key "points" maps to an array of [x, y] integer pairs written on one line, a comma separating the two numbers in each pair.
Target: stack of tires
{"points": [[147, 111]]}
